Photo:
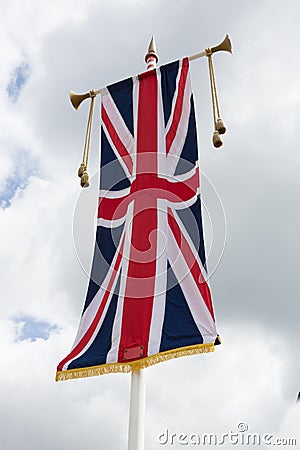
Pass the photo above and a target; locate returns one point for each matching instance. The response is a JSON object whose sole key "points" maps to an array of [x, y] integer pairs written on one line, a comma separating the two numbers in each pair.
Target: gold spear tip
{"points": [[151, 50]]}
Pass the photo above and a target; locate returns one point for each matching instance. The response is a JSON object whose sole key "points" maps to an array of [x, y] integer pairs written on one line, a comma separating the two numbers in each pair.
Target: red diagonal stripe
{"points": [[191, 262], [178, 105], [121, 149], [90, 331]]}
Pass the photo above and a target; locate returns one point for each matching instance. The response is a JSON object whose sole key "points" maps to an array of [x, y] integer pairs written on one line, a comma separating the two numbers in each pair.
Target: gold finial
{"points": [[77, 99], [151, 51], [224, 46]]}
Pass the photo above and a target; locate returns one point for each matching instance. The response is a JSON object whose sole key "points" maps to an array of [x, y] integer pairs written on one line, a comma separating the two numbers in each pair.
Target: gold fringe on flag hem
{"points": [[130, 366]]}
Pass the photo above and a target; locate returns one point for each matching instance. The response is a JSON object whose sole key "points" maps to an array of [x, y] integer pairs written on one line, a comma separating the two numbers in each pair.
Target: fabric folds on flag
{"points": [[148, 298]]}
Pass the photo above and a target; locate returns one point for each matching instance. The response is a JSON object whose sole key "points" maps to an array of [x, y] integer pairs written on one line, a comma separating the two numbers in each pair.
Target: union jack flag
{"points": [[148, 298]]}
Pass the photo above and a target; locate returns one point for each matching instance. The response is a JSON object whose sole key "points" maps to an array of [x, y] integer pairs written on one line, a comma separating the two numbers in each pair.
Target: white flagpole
{"points": [[136, 429]]}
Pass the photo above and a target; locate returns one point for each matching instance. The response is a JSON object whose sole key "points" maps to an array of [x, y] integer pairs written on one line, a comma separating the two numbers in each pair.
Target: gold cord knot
{"points": [[81, 169]]}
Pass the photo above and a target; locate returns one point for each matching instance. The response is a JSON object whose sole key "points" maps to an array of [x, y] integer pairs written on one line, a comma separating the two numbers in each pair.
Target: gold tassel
{"points": [[221, 128], [217, 141], [219, 125], [82, 171], [85, 179], [134, 365]]}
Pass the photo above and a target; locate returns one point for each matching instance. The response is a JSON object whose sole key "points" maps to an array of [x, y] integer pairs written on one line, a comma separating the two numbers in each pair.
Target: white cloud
{"points": [[241, 382], [289, 428]]}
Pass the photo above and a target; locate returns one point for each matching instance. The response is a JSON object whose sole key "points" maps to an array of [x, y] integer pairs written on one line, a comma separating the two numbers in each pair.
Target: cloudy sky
{"points": [[50, 47]]}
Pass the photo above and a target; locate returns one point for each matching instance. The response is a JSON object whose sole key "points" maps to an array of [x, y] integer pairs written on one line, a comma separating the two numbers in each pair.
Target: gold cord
{"points": [[82, 171], [88, 130], [219, 127], [213, 87]]}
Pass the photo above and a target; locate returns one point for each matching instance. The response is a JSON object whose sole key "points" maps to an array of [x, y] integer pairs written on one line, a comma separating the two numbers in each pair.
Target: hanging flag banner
{"points": [[148, 298]]}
